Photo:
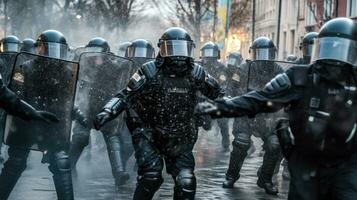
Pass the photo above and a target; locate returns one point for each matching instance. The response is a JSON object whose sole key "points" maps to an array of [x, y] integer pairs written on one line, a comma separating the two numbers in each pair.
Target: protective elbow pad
{"points": [[115, 106]]}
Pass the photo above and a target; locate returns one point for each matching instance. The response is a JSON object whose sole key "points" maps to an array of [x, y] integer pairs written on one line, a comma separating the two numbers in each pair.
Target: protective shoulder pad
{"points": [[299, 74], [198, 72], [278, 84], [149, 69]]}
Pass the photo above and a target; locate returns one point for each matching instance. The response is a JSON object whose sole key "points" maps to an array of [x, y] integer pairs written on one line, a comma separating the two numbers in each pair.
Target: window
{"points": [[328, 9], [311, 12], [352, 8], [292, 41]]}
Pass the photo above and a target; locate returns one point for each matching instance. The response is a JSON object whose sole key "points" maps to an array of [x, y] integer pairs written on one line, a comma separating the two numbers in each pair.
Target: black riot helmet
{"points": [[28, 45], [176, 42], [291, 58], [53, 44], [234, 58], [307, 44], [210, 50], [10, 44], [337, 42], [123, 49], [98, 44], [262, 48], [141, 48]]}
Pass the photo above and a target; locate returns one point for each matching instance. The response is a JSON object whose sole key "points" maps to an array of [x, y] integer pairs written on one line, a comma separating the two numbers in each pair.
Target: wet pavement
{"points": [[94, 181]]}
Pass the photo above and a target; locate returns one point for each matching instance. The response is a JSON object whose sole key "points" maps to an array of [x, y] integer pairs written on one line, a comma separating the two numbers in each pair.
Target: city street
{"points": [[94, 181]]}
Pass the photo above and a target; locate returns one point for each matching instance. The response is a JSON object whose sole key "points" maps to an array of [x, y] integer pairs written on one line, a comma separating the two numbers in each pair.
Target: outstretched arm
{"points": [[120, 102], [278, 93]]}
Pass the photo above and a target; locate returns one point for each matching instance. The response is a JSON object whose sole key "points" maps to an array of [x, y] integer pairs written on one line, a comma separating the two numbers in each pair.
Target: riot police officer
{"points": [[159, 101], [140, 51], [123, 49], [262, 52], [210, 55], [28, 45], [52, 44], [81, 131], [321, 99], [306, 47], [10, 44]]}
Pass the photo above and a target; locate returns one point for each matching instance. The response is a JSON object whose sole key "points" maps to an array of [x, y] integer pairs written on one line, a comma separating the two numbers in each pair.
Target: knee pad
{"points": [[150, 181], [59, 163], [242, 141], [186, 181]]}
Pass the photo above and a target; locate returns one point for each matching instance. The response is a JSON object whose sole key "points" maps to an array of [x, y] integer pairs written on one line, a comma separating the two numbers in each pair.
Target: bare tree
{"points": [[240, 13]]}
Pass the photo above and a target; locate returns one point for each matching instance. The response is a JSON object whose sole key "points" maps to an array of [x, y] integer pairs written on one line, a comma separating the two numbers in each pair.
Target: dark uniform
{"points": [[210, 54], [262, 51], [160, 99], [81, 133], [321, 99], [52, 142], [9, 47]]}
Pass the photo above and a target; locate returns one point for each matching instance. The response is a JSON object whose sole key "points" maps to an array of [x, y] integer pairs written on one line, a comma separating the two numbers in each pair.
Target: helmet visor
{"points": [[140, 52], [307, 49], [209, 53], [94, 49], [263, 54], [176, 48], [53, 50], [232, 61], [335, 48], [9, 47]]}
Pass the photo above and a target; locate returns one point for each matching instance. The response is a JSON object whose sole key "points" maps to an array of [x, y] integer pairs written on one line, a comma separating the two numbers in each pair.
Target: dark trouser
{"points": [[16, 164], [80, 139], [241, 143], [223, 126], [311, 181], [127, 148], [151, 157]]}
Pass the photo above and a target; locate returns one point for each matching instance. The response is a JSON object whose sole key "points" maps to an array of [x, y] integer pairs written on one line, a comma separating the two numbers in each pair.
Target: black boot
{"points": [[271, 158], [236, 160]]}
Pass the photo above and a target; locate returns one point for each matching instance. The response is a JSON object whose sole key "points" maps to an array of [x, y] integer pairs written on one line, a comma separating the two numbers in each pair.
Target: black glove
{"points": [[45, 116], [216, 109], [101, 118]]}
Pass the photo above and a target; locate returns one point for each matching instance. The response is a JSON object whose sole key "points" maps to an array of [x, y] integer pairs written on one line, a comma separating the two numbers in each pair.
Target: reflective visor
{"points": [[263, 54], [209, 53], [176, 48], [335, 48], [140, 52], [9, 47], [55, 50], [232, 61], [94, 49], [307, 49]]}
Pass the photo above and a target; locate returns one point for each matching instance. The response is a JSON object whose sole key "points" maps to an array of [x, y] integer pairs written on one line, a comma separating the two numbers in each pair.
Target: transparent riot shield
{"points": [[101, 76], [47, 84], [7, 61], [260, 72]]}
